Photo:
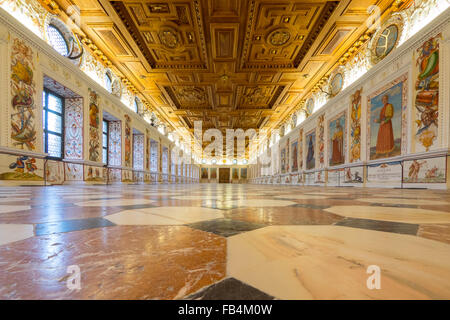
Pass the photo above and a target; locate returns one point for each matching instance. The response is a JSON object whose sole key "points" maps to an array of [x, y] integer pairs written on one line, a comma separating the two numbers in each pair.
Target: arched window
{"points": [[57, 40], [108, 82], [136, 105]]}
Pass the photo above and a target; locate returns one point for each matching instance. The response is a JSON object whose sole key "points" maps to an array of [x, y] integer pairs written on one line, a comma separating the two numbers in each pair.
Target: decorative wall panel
{"points": [[154, 156], [115, 143], [21, 168], [54, 172], [23, 92], [431, 170], [138, 152], [73, 172], [355, 127], [426, 103], [94, 126], [384, 173], [321, 140], [127, 141], [73, 134]]}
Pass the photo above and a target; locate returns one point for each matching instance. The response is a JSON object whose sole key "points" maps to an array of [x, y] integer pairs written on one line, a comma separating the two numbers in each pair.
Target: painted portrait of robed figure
{"points": [[310, 156], [386, 123], [337, 136]]}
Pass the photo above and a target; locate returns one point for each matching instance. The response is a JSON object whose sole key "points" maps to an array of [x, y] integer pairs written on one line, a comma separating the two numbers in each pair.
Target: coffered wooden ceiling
{"points": [[230, 63]]}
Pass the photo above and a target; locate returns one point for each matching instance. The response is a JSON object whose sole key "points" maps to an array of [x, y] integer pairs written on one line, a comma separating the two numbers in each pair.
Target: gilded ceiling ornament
{"points": [[191, 95], [169, 38], [279, 37]]}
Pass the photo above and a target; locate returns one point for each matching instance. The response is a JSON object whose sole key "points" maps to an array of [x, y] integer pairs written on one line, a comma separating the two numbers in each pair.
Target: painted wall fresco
{"points": [[94, 126], [300, 150], [426, 61], [283, 160], [114, 175], [213, 172], [336, 140], [115, 143], [147, 150], [355, 127], [22, 168], [204, 173], [23, 91], [73, 172], [138, 151], [321, 140], [73, 134], [319, 177], [431, 170], [294, 156], [127, 176], [310, 146], [335, 177], [154, 156], [385, 172], [93, 174], [235, 174], [127, 139], [54, 172], [387, 120], [165, 160], [354, 175]]}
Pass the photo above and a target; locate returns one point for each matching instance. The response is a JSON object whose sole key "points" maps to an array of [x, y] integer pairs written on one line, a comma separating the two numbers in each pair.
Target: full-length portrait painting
{"points": [[385, 108]]}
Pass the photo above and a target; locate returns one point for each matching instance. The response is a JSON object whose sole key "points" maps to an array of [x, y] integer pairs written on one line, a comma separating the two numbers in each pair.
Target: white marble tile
{"points": [[407, 215], [416, 201], [258, 203], [14, 199], [164, 216], [301, 197], [15, 232], [6, 208], [113, 202], [330, 262]]}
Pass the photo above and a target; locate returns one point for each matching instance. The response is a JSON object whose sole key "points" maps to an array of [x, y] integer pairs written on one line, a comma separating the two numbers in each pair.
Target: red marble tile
{"points": [[121, 262]]}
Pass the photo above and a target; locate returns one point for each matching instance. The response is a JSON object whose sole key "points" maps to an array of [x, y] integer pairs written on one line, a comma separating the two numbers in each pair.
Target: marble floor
{"points": [[208, 241]]}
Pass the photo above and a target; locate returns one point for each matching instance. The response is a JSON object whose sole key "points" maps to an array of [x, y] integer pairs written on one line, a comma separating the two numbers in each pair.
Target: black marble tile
{"points": [[377, 225], [71, 225], [225, 227], [394, 205], [229, 289]]}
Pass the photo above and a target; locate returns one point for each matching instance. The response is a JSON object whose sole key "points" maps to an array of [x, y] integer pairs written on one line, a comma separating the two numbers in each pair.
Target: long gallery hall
{"points": [[224, 150]]}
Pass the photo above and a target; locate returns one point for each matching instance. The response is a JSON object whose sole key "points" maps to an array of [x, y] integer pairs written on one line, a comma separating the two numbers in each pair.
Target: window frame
{"points": [[107, 141], [45, 130]]}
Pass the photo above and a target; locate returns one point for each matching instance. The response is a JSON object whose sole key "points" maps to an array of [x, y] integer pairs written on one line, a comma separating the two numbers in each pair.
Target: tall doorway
{"points": [[224, 175]]}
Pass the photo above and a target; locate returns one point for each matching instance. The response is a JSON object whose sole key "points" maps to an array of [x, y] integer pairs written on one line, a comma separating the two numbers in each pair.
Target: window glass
{"points": [[54, 103], [52, 120], [54, 145], [108, 82], [57, 40]]}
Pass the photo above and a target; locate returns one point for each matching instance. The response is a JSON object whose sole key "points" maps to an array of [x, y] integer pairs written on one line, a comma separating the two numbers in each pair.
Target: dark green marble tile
{"points": [[225, 227], [377, 225], [230, 289]]}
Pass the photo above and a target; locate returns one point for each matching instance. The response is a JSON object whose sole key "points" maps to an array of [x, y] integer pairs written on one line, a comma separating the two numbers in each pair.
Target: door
{"points": [[224, 175]]}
